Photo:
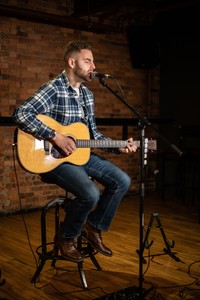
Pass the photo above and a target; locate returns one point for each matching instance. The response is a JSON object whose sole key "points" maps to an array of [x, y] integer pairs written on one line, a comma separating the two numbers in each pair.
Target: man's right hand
{"points": [[66, 144]]}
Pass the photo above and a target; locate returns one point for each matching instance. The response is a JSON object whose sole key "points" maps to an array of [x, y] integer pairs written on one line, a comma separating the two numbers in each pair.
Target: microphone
{"points": [[94, 75]]}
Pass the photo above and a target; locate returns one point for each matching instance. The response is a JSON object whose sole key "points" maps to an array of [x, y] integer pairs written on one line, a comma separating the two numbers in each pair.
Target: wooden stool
{"points": [[53, 254]]}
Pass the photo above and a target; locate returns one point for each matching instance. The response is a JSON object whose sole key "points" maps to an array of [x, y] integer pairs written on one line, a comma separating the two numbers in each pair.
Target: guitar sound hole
{"points": [[56, 152]]}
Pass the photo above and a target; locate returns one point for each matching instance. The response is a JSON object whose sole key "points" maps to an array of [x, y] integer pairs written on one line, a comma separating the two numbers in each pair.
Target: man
{"points": [[67, 100]]}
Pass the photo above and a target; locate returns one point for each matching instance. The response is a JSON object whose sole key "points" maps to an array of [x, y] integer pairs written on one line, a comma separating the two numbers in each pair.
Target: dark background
{"points": [[173, 41]]}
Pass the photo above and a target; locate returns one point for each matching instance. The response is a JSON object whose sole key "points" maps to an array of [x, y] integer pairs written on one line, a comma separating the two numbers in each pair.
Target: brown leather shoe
{"points": [[93, 236], [67, 248]]}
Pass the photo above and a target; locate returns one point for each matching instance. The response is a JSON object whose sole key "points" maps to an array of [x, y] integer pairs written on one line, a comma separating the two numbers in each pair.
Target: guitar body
{"points": [[31, 152]]}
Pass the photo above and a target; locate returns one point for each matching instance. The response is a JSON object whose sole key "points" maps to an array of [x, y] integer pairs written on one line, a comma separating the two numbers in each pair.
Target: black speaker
{"points": [[144, 46]]}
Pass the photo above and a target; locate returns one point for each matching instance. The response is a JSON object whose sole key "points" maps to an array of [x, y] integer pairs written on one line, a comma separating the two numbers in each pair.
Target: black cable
{"points": [[184, 286], [66, 293], [196, 282], [20, 204], [72, 292]]}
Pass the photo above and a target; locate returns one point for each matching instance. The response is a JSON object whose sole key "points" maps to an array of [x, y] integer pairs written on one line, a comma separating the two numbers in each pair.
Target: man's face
{"points": [[83, 65]]}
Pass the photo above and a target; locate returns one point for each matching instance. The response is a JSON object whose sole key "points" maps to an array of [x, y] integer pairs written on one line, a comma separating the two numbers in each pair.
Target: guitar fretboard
{"points": [[104, 143]]}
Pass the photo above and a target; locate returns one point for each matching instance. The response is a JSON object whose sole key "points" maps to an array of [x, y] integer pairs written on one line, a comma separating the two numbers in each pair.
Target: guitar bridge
{"points": [[46, 147]]}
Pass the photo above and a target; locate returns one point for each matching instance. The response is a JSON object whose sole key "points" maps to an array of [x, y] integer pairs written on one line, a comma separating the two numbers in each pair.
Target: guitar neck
{"points": [[104, 143]]}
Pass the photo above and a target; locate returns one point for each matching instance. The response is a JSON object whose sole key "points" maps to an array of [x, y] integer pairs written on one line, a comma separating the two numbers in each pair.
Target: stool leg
{"points": [[42, 260], [92, 257], [44, 255], [82, 275], [57, 224]]}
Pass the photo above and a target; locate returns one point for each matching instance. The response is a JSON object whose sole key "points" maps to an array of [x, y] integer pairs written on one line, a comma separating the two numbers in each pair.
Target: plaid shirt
{"points": [[58, 100]]}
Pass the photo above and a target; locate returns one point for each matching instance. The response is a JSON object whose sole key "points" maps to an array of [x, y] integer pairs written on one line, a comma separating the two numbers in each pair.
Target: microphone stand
{"points": [[142, 123]]}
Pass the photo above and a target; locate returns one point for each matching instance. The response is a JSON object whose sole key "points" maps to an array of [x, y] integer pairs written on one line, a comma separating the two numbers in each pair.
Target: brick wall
{"points": [[31, 54]]}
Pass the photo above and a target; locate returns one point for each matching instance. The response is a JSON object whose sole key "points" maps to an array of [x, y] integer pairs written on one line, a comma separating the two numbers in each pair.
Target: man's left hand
{"points": [[129, 148]]}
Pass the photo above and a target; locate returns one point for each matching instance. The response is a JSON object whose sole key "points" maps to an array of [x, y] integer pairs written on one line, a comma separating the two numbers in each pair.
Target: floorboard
{"points": [[164, 276]]}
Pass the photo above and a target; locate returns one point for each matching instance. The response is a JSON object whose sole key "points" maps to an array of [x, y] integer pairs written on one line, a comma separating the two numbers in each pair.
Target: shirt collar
{"points": [[66, 80]]}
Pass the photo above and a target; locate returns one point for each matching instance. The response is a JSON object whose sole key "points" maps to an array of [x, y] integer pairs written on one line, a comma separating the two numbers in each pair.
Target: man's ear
{"points": [[71, 62]]}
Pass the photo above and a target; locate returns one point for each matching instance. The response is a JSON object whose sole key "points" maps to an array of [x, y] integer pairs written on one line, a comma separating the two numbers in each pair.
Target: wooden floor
{"points": [[170, 279]]}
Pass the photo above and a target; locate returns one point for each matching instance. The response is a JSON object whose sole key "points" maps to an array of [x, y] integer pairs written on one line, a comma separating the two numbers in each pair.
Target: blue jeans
{"points": [[89, 204]]}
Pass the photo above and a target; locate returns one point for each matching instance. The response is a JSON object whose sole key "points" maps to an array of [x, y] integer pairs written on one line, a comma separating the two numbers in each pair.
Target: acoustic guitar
{"points": [[40, 156]]}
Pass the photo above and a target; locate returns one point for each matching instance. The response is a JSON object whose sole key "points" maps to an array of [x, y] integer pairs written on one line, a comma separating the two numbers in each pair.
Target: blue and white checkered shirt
{"points": [[58, 100]]}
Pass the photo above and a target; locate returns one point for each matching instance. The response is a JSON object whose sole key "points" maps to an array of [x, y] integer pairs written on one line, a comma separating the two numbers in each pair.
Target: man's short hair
{"points": [[75, 46]]}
